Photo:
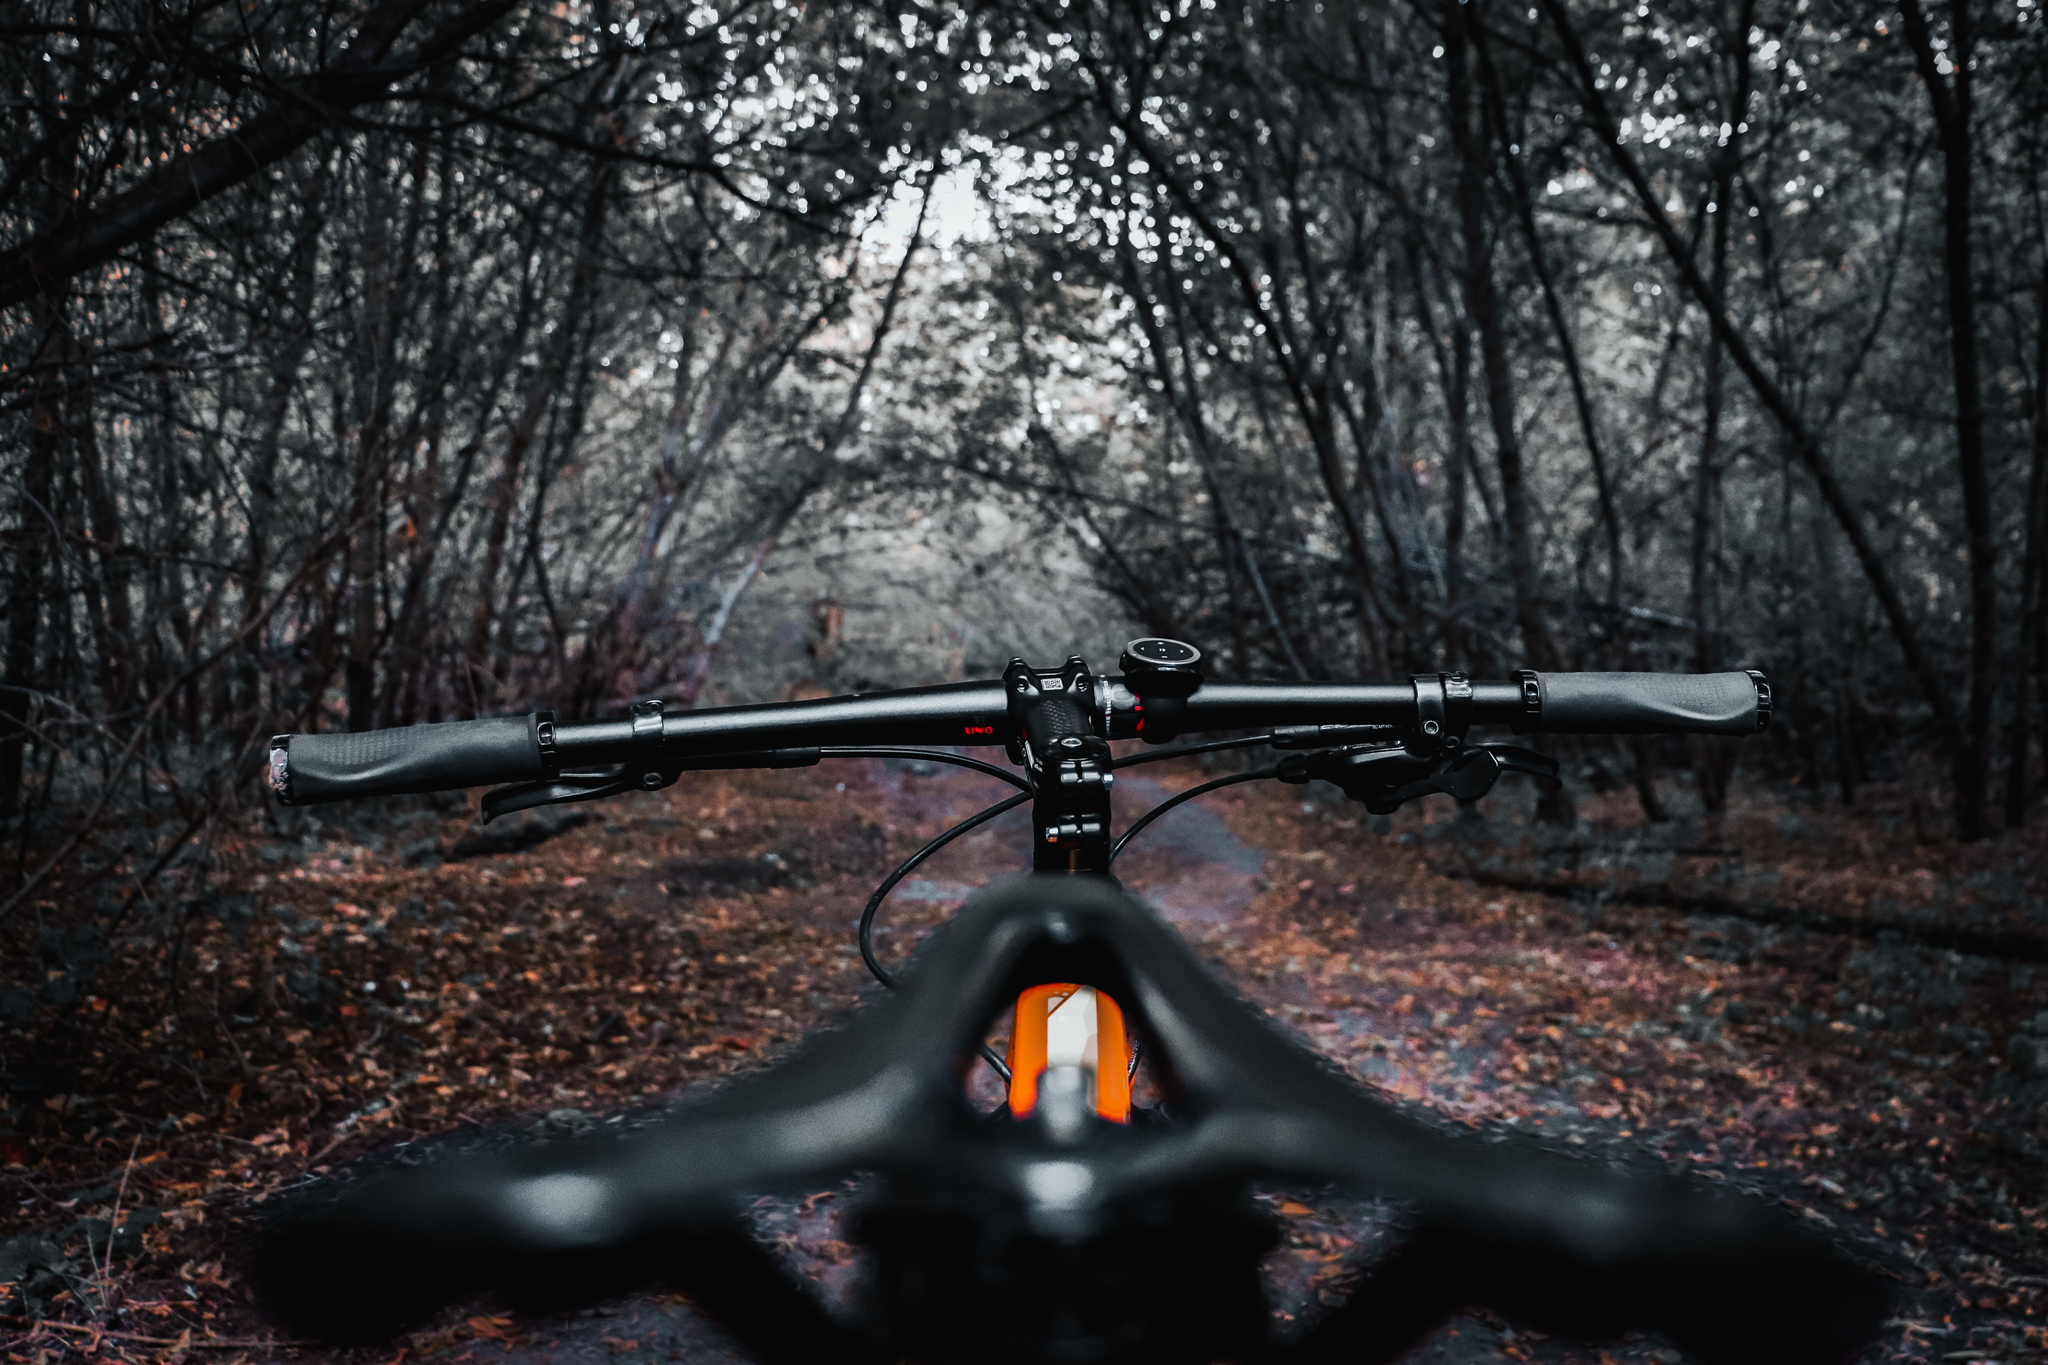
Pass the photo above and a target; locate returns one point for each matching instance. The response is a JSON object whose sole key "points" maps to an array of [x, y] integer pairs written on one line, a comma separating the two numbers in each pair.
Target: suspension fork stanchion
{"points": [[1061, 738]]}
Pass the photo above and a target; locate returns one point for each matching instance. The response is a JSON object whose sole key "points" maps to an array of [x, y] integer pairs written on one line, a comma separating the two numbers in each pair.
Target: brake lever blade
{"points": [[1471, 774], [593, 784], [1465, 779], [577, 786], [1513, 758]]}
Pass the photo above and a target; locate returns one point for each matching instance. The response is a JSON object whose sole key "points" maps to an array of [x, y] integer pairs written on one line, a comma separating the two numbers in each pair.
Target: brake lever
{"points": [[556, 791], [1367, 772], [1513, 758], [592, 784], [1387, 776]]}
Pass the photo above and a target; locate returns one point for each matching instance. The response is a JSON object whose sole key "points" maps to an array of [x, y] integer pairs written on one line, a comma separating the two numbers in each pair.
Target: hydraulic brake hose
{"points": [[1190, 794], [1178, 750], [909, 865], [867, 915], [929, 755]]}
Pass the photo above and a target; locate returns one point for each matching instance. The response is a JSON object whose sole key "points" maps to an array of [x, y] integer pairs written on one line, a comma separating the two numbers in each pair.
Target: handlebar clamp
{"points": [[1531, 718], [545, 742], [645, 765], [1763, 699], [1059, 738], [1443, 710]]}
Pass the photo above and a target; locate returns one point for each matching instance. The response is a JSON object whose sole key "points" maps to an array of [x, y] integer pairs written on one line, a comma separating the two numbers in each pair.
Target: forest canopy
{"points": [[364, 364]]}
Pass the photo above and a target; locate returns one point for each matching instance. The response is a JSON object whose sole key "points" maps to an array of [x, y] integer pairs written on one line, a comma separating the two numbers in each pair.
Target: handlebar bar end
{"points": [[278, 773]]}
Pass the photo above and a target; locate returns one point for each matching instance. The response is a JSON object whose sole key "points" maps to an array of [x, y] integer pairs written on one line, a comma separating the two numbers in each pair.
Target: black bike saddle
{"points": [[1063, 1236]]}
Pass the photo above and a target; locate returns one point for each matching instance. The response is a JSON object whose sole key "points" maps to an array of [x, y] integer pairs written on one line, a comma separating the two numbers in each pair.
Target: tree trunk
{"points": [[1185, 400], [114, 614], [1457, 652], [1952, 111], [554, 454], [1316, 418], [32, 550], [698, 670], [1848, 743], [384, 261], [1645, 778], [1713, 758], [505, 490], [1482, 305], [2031, 585], [433, 518], [1454, 375], [1805, 444], [285, 363], [1568, 351]]}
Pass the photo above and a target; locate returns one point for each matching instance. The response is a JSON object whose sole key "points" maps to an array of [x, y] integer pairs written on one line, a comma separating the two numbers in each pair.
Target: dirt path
{"points": [[1195, 870], [636, 958], [1191, 868]]}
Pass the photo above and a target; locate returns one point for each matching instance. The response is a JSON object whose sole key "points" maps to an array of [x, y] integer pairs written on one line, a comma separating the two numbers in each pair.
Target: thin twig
{"points": [[203, 1343], [114, 1227], [142, 729]]}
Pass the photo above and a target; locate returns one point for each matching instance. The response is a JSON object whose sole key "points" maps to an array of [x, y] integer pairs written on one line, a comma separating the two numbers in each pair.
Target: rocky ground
{"points": [[1818, 1004]]}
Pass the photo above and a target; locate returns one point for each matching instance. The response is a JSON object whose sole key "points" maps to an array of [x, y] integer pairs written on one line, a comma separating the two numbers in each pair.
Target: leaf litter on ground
{"points": [[344, 999]]}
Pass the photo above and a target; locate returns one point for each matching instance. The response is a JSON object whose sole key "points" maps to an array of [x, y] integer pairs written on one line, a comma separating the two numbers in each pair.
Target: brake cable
{"points": [[1025, 792], [1190, 794], [933, 755], [867, 916], [910, 864], [1154, 755]]}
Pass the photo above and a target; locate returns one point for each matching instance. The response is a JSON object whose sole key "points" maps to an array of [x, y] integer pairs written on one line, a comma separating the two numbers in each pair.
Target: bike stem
{"points": [[1061, 729], [1062, 719]]}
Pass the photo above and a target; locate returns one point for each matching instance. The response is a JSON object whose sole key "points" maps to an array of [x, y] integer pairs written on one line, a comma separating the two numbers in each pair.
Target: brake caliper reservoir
{"points": [[1065, 1025]]}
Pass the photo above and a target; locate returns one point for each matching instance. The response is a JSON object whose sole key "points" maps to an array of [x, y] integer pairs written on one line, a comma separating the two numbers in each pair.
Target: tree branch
{"points": [[1774, 399], [93, 234]]}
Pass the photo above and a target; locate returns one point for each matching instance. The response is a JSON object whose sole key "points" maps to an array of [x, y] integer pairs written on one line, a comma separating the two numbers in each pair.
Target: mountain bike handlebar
{"points": [[311, 768], [1054, 1229]]}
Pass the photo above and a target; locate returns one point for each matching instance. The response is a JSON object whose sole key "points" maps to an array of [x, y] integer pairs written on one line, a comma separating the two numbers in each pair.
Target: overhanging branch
{"points": [[93, 234]]}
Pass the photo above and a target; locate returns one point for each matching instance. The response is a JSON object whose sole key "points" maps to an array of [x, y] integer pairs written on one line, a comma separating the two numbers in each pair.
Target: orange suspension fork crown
{"points": [[1062, 1017]]}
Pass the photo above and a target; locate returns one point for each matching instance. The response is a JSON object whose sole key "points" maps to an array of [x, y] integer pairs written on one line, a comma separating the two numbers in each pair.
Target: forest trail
{"points": [[559, 979], [1198, 875]]}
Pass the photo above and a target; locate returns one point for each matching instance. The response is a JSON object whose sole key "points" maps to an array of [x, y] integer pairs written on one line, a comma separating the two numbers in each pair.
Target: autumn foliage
{"points": [[385, 979]]}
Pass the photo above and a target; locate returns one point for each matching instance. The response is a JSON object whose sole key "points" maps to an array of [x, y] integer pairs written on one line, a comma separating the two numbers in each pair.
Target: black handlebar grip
{"points": [[1654, 703], [305, 769]]}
